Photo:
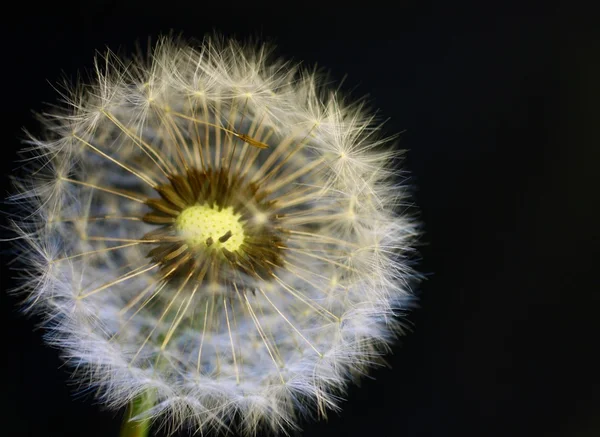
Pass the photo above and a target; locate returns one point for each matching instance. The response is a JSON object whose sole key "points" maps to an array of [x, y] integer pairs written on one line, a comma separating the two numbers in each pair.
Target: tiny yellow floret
{"points": [[204, 226]]}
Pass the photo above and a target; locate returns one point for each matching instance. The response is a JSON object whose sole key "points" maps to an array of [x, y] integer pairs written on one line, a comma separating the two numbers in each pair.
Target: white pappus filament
{"points": [[214, 226]]}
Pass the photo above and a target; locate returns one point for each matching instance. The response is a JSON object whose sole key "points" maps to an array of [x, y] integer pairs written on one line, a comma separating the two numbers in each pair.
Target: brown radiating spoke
{"points": [[257, 252]]}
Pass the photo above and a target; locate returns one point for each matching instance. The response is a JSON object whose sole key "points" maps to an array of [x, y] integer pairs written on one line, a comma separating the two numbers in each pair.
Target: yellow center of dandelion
{"points": [[204, 226]]}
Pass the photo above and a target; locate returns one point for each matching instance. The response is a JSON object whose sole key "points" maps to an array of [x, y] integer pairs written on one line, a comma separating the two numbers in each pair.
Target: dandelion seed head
{"points": [[214, 226]]}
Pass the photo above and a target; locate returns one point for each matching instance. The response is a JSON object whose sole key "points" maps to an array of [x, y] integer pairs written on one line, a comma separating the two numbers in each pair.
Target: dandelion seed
{"points": [[212, 230]]}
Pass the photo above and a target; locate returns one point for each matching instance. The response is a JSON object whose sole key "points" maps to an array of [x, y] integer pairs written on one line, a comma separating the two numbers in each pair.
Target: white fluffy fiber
{"points": [[328, 315]]}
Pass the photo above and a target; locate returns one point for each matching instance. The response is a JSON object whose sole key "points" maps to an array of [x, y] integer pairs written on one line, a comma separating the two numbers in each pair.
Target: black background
{"points": [[499, 112]]}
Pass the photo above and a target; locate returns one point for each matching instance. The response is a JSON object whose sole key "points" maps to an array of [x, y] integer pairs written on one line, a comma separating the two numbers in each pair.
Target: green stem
{"points": [[141, 427]]}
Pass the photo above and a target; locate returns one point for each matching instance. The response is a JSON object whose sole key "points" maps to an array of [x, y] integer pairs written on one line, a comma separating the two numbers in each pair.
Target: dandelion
{"points": [[214, 232]]}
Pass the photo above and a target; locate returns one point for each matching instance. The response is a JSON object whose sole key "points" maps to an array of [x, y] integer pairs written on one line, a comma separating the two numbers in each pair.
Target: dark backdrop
{"points": [[500, 118]]}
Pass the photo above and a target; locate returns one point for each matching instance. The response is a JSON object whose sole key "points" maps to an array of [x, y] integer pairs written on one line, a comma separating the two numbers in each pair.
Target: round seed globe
{"points": [[212, 229]]}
